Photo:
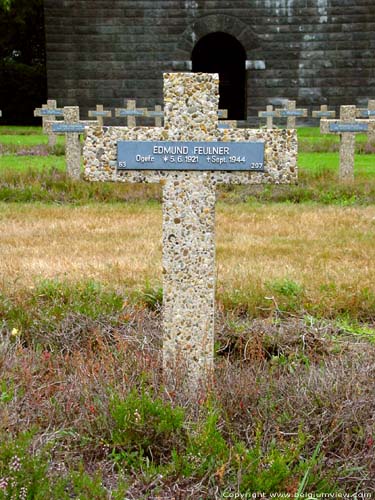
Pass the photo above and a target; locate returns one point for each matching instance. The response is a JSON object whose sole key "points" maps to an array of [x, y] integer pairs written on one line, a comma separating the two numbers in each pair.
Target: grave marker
{"points": [[347, 127], [158, 115], [72, 127], [100, 114], [368, 112], [190, 156], [49, 112], [291, 113], [131, 112], [324, 112], [270, 114]]}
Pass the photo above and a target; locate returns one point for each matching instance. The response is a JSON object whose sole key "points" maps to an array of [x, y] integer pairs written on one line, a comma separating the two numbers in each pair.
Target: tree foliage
{"points": [[22, 59]]}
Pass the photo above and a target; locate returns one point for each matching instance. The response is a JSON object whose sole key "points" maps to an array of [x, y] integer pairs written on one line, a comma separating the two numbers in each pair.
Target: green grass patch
{"points": [[19, 130], [24, 164], [364, 165]]}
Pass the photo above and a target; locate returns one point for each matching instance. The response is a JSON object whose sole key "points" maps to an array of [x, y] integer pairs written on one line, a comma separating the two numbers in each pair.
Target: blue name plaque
{"points": [[130, 112], [286, 112], [67, 128], [348, 127], [182, 155], [52, 112], [366, 113], [265, 114], [324, 114]]}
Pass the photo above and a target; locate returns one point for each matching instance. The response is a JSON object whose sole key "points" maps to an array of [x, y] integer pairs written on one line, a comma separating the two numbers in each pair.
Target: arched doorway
{"points": [[222, 53]]}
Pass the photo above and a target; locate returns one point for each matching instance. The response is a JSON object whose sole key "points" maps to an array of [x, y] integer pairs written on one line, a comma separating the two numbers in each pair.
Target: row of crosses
{"points": [[50, 112], [352, 121]]}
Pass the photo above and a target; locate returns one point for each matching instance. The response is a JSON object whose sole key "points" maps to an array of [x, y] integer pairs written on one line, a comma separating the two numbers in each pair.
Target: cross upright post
{"points": [[347, 127], [291, 113], [190, 156], [100, 114], [368, 112], [49, 112], [324, 113], [269, 114], [131, 112]]}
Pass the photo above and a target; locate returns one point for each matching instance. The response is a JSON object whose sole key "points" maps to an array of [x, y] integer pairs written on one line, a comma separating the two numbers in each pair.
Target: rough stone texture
{"points": [[131, 112], [72, 144], [314, 51], [289, 111], [191, 114], [269, 114], [323, 113], [52, 106], [100, 114], [347, 139], [370, 113]]}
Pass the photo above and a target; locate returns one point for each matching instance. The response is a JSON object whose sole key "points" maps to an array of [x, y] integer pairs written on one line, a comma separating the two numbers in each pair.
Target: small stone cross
{"points": [[347, 127], [130, 112], [100, 114], [324, 113], [49, 112], [270, 114], [158, 115], [291, 113], [368, 112], [189, 156], [72, 127]]}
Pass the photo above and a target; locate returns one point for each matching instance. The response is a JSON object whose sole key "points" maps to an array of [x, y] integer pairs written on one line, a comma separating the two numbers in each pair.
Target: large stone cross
{"points": [[291, 113], [131, 112], [368, 112], [99, 113], [324, 112], [190, 156], [347, 127], [270, 114], [49, 112], [72, 127]]}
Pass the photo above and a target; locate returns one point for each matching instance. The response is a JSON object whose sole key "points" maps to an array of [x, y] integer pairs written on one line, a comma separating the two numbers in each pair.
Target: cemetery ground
{"points": [[83, 410]]}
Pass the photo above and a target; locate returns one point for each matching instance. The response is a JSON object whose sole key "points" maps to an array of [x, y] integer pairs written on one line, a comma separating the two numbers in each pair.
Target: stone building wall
{"points": [[314, 51]]}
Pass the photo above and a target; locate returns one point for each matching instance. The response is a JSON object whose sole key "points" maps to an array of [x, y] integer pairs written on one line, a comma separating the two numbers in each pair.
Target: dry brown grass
{"points": [[316, 246]]}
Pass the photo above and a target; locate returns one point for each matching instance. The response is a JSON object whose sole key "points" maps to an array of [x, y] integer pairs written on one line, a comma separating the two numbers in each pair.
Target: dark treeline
{"points": [[23, 84]]}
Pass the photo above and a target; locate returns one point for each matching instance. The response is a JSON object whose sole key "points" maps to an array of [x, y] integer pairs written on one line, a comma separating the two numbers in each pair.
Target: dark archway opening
{"points": [[222, 53]]}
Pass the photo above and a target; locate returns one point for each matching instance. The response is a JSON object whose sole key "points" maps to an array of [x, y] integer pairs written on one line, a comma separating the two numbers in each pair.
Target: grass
{"points": [[83, 409], [364, 165], [327, 251], [24, 141], [85, 415], [23, 163]]}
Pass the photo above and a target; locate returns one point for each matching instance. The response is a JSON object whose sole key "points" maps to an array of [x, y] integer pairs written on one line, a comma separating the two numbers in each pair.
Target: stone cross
{"points": [[270, 114], [368, 112], [189, 156], [100, 114], [130, 112], [158, 115], [291, 113], [347, 127], [222, 113], [324, 113], [72, 127], [49, 112]]}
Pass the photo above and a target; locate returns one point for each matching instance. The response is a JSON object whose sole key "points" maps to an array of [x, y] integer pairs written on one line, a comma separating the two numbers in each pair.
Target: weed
{"points": [[144, 427]]}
